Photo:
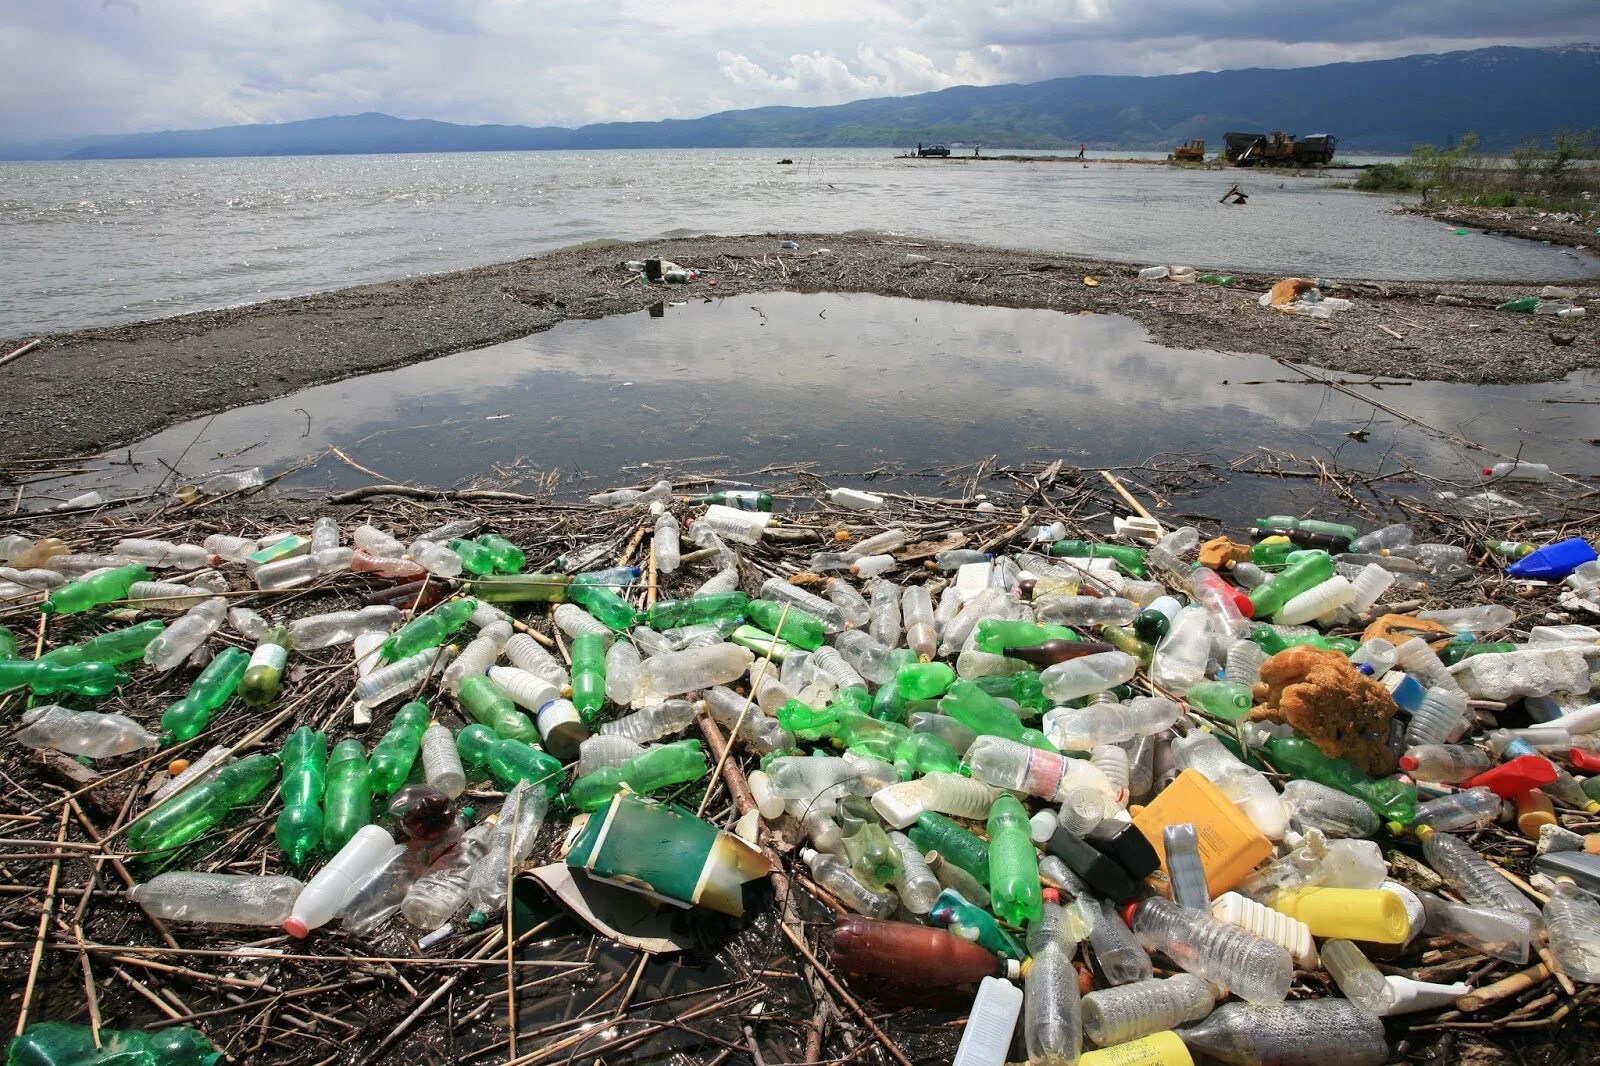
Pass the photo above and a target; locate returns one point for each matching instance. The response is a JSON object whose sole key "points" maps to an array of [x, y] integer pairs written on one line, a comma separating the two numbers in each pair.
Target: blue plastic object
{"points": [[1554, 561]]}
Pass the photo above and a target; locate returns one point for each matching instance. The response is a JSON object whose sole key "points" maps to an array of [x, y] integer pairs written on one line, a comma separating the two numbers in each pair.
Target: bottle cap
{"points": [[1051, 895], [296, 928], [1407, 762]]}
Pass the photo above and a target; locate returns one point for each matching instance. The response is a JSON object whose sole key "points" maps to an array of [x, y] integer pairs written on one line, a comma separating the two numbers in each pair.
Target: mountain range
{"points": [[1506, 95]]}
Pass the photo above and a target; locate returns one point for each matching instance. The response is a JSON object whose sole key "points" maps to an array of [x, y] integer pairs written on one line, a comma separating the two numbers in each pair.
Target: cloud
{"points": [[108, 66]]}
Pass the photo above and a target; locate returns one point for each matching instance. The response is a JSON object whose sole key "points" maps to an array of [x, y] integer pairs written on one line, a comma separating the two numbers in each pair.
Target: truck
{"points": [[1278, 149]]}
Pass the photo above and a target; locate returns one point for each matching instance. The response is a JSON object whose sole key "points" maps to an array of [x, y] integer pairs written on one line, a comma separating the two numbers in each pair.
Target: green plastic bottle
{"points": [[475, 558], [1226, 281], [395, 753], [605, 604], [1392, 800], [1457, 650], [65, 1044], [75, 597], [764, 644], [1308, 525], [979, 711], [1304, 572], [117, 647], [487, 704], [588, 675], [799, 627], [521, 588], [512, 761], [1221, 699], [1522, 305], [264, 675], [713, 607], [995, 635], [872, 855], [305, 776], [887, 703], [1128, 558], [924, 681], [1273, 553], [508, 558], [47, 678], [474, 744], [428, 630], [1124, 640], [188, 717], [1510, 550], [649, 771], [869, 736], [8, 644], [971, 922], [807, 722], [347, 804], [935, 832], [743, 499], [1014, 887], [924, 753], [202, 805]]}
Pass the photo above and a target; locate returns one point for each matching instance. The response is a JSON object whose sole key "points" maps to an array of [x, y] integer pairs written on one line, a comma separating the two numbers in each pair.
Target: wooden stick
{"points": [[1489, 995], [839, 990], [1127, 497], [45, 913], [20, 352]]}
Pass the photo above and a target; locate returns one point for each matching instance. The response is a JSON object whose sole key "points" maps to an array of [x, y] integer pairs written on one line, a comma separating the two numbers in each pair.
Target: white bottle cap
{"points": [[1412, 996]]}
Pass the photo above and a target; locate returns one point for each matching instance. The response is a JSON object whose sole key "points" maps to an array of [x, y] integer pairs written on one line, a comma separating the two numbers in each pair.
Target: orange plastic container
{"points": [[1230, 844]]}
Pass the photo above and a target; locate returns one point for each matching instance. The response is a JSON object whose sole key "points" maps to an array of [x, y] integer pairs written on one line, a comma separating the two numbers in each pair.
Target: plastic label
{"points": [[272, 655], [1043, 774]]}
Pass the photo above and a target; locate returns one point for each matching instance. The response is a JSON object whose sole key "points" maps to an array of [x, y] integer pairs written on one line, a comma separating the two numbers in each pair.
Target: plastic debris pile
{"points": [[1127, 798]]}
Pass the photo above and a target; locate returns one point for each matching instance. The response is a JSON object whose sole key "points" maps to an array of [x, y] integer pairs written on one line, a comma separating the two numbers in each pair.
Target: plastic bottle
{"points": [[1307, 1032], [1361, 982], [527, 654], [66, 1044], [298, 570], [228, 899], [1460, 810], [674, 673], [1082, 729], [305, 765], [1122, 959], [1441, 719], [1517, 471], [1076, 678], [1252, 967], [179, 640], [441, 763], [835, 875], [754, 729], [486, 702], [1488, 930], [1314, 806], [854, 499], [391, 680], [480, 654], [325, 893], [264, 674], [508, 846], [1243, 785], [395, 754], [1291, 934], [45, 678], [1180, 659], [652, 723], [86, 733], [164, 554], [1392, 800], [75, 597], [899, 952], [652, 770], [347, 801], [1117, 1015], [429, 630], [313, 632], [1474, 880], [991, 1024], [1010, 765], [1188, 876], [1446, 764], [1013, 864], [190, 813], [1052, 1027], [832, 615], [1572, 919], [434, 898], [1387, 537]]}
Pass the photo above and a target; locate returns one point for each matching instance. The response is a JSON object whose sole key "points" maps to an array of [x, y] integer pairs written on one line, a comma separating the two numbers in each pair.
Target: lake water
{"points": [[95, 243], [856, 386]]}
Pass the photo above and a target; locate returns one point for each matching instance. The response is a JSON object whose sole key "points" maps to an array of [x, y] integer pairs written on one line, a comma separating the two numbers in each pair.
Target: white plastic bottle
{"points": [[854, 499], [325, 893], [992, 1022]]}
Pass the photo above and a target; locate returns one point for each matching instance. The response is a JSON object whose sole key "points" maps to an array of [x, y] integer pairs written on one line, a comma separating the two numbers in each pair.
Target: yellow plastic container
{"points": [[1157, 1049], [1369, 914], [1230, 844], [1534, 810]]}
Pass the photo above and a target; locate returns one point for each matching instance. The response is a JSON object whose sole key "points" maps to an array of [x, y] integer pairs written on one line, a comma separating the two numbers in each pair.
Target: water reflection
{"points": [[847, 383]]}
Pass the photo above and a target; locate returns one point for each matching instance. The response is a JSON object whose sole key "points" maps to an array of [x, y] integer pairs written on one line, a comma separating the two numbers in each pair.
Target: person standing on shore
{"points": [[1081, 148]]}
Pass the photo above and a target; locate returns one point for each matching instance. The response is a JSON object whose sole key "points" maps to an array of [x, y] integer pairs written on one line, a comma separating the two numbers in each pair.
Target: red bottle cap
{"points": [[1587, 761], [1408, 763], [1127, 914], [1242, 601], [1051, 895], [1515, 777], [1488, 471]]}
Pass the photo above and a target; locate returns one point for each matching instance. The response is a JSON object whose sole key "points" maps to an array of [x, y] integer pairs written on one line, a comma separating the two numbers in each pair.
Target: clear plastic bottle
{"points": [[1112, 761], [1307, 1032], [1488, 930], [600, 752], [1291, 934], [1088, 674], [1518, 470], [377, 543], [678, 672], [228, 899], [436, 896], [1460, 810], [339, 627], [667, 544], [662, 720], [154, 595], [1316, 806], [1320, 599], [164, 554], [1361, 982], [1122, 959], [1114, 1016], [835, 875], [1447, 764], [1085, 610], [1418, 660], [829, 664], [622, 671], [387, 682], [179, 640], [1188, 876], [1010, 765], [1388, 537], [724, 580], [1244, 663], [883, 616], [88, 733], [1441, 719], [1369, 585], [509, 845], [247, 623], [480, 654], [441, 763], [824, 781], [1082, 729], [1180, 660], [528, 654], [915, 884], [325, 893], [1454, 860], [916, 611], [757, 731], [1572, 919], [1243, 785], [374, 898], [867, 655], [1252, 967], [1432, 556], [1052, 1026], [437, 559]]}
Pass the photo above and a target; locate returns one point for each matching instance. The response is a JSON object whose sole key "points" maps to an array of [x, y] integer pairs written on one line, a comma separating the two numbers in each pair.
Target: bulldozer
{"points": [[1192, 151]]}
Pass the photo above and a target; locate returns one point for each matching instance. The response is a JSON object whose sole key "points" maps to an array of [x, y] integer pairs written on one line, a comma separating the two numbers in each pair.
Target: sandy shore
{"points": [[92, 390]]}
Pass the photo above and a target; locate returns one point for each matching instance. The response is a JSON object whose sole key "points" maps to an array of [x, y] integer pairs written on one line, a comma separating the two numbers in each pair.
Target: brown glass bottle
{"points": [[432, 591], [1057, 651], [912, 958]]}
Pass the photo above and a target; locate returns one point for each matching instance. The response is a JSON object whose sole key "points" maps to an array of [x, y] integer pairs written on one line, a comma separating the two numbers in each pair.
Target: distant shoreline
{"points": [[955, 156], [75, 386]]}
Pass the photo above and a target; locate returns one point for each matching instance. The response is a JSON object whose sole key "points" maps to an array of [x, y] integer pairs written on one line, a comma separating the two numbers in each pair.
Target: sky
{"points": [[77, 67]]}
